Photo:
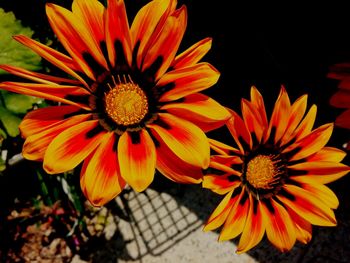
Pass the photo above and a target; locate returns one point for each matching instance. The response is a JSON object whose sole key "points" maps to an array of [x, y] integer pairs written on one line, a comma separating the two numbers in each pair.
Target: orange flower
{"points": [[131, 105], [341, 99], [274, 181]]}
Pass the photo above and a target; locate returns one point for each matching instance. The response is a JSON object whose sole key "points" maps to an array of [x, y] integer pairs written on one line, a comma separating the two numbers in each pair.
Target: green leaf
{"points": [[10, 122], [18, 103], [12, 52], [2, 165], [3, 136]]}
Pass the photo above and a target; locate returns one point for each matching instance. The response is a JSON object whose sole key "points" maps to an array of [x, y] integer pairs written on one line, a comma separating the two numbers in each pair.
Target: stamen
{"points": [[114, 82], [263, 171], [126, 103]]}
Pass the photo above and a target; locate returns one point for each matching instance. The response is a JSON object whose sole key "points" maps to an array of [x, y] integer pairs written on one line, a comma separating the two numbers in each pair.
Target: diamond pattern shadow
{"points": [[157, 222]]}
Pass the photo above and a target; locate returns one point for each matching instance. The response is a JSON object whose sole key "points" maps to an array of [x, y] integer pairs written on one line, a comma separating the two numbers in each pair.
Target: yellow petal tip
{"points": [[139, 187]]}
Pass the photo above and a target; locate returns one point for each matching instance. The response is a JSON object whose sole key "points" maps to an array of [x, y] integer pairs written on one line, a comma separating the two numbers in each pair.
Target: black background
{"points": [[266, 45]]}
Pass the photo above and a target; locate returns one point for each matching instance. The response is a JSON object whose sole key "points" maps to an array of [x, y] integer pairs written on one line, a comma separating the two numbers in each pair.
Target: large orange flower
{"points": [[341, 99], [274, 181], [131, 105]]}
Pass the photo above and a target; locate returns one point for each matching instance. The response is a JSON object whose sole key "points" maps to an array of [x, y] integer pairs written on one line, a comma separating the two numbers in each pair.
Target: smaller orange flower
{"points": [[341, 99], [274, 183]]}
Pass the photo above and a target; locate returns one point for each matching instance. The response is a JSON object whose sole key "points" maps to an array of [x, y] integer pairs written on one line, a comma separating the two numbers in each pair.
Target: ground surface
{"points": [[167, 227]]}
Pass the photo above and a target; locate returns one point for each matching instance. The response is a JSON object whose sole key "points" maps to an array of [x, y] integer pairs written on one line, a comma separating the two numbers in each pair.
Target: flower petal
{"points": [[341, 99], [163, 49], [76, 39], [254, 227], [280, 229], [295, 116], [183, 138], [311, 143], [182, 82], [239, 132], [193, 54], [91, 14], [72, 146], [201, 110], [41, 119], [118, 38], [225, 163], [258, 102], [305, 125], [175, 169], [344, 83], [147, 24], [329, 154], [59, 93], [339, 71], [219, 215], [236, 219], [320, 179], [279, 118], [35, 146], [58, 59], [221, 183], [303, 229], [253, 121], [37, 77], [324, 193], [343, 120], [307, 206], [100, 178], [222, 148], [318, 168], [318, 172], [137, 159]]}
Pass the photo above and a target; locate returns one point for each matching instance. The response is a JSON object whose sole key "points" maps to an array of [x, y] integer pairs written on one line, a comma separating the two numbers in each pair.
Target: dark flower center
{"points": [[124, 102]]}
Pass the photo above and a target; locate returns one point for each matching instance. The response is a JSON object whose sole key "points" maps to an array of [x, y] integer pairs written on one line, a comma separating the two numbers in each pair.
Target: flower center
{"points": [[126, 104], [261, 172]]}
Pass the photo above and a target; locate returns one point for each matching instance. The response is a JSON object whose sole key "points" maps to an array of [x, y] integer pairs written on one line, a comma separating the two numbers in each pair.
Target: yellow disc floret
{"points": [[261, 172], [126, 104]]}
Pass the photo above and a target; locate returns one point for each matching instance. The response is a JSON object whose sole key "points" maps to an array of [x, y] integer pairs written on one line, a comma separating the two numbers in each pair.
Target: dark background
{"points": [[266, 45], [269, 45]]}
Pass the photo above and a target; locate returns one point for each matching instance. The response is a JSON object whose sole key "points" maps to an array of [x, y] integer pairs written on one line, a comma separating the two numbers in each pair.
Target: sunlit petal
{"points": [[185, 139], [72, 146], [201, 110], [137, 159], [193, 54], [41, 119], [100, 177]]}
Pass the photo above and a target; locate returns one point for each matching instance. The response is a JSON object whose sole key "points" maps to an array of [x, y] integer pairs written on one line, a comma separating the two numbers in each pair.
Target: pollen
{"points": [[261, 172], [126, 104]]}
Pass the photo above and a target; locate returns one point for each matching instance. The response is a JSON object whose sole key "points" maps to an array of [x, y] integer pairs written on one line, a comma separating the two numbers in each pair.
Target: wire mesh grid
{"points": [[157, 222]]}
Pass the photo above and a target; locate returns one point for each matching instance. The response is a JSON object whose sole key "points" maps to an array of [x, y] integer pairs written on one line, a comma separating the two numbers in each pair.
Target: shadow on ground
{"points": [[165, 214]]}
